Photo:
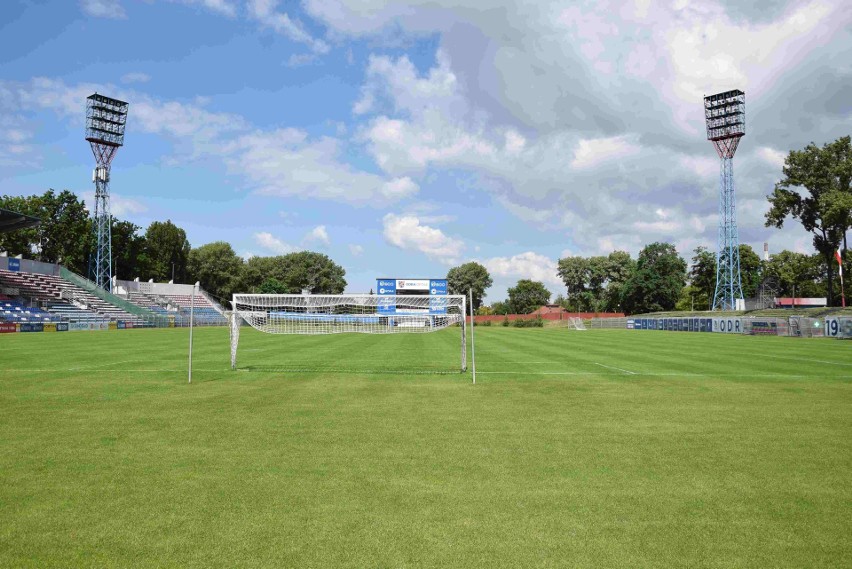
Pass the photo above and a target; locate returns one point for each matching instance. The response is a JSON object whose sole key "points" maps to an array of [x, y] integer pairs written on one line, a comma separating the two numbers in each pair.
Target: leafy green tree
{"points": [[64, 235], [574, 272], [128, 250], [527, 296], [217, 268], [469, 276], [314, 272], [500, 307], [296, 272], [824, 208], [750, 271], [702, 278], [24, 241], [686, 302], [796, 274], [657, 282], [595, 283], [272, 286], [619, 267], [167, 250]]}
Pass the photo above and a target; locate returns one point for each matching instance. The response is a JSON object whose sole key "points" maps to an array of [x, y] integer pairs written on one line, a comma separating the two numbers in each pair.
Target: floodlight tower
{"points": [[725, 117], [105, 120]]}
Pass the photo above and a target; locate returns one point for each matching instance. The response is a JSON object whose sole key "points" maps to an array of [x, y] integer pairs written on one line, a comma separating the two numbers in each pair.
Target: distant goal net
{"points": [[347, 313]]}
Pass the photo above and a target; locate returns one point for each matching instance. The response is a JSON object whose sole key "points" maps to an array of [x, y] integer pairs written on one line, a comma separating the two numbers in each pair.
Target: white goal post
{"points": [[347, 313]]}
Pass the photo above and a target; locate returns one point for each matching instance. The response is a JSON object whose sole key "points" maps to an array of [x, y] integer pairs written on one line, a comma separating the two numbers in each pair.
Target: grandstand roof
{"points": [[12, 221]]}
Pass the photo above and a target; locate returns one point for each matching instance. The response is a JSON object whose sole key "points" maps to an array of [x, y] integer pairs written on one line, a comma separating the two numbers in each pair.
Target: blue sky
{"points": [[401, 139]]}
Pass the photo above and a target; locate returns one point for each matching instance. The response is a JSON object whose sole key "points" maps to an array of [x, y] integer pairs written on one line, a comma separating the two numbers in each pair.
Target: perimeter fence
{"points": [[794, 326]]}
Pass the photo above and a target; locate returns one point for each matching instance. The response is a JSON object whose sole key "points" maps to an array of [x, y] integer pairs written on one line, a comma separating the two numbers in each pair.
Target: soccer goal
{"points": [[347, 313]]}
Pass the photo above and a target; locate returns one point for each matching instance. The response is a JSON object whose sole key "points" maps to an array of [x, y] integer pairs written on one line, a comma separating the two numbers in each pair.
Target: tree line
{"points": [[816, 190], [161, 252]]}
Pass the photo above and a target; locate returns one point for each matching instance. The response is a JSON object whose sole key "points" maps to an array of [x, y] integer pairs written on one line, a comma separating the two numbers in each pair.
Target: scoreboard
{"points": [[435, 288]]}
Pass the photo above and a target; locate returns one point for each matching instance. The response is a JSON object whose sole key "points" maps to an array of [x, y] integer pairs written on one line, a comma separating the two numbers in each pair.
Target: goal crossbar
{"points": [[347, 313]]}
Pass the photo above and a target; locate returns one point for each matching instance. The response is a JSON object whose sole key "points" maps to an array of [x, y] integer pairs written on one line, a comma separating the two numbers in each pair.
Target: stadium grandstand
{"points": [[37, 292], [13, 221]]}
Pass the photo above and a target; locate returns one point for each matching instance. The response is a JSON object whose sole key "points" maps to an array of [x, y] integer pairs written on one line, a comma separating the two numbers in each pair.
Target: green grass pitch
{"points": [[575, 449]]}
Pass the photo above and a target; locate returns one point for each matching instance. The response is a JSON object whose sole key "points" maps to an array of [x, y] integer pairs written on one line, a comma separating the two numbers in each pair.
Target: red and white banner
{"points": [[839, 262]]}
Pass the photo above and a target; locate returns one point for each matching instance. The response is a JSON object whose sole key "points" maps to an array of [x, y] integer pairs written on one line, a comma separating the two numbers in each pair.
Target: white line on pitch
{"points": [[628, 372], [821, 362], [89, 368]]}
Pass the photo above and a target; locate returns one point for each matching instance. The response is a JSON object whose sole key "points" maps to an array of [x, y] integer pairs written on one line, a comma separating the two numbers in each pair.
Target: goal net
{"points": [[347, 313]]}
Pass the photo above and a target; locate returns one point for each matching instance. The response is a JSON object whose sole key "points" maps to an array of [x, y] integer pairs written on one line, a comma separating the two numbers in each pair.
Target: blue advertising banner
{"points": [[62, 326], [386, 287], [32, 327], [15, 265], [438, 288]]}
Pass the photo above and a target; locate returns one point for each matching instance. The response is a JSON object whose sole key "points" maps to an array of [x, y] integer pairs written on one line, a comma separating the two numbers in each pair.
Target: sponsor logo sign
{"points": [[32, 327], [438, 287], [15, 265], [386, 287], [412, 284], [49, 327], [61, 326], [8, 327], [728, 325], [763, 328], [111, 326]]}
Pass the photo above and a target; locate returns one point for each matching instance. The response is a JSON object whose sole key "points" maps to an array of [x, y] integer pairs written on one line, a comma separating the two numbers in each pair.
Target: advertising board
{"points": [[728, 325], [764, 328], [838, 327]]}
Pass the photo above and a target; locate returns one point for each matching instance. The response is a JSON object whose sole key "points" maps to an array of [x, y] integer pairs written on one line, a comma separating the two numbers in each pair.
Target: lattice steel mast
{"points": [[105, 120], [725, 117]]}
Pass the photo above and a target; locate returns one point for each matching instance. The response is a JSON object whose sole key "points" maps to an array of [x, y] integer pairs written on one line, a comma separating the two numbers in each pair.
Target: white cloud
{"points": [[592, 152], [273, 244], [706, 43], [318, 235], [356, 250], [266, 13], [771, 156], [223, 7], [103, 8], [399, 188], [283, 162], [301, 59], [135, 77], [120, 206], [398, 82], [528, 265], [406, 232]]}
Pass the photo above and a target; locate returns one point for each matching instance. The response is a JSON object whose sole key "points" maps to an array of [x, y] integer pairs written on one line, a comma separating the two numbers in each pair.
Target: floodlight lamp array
{"points": [[105, 120], [724, 115]]}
